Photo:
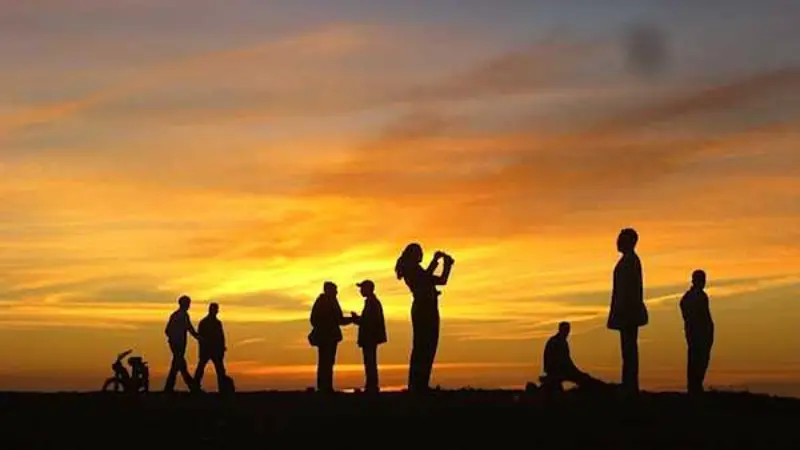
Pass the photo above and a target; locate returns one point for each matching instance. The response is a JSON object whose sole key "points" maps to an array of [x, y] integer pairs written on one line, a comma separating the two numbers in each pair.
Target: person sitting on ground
{"points": [[558, 364]]}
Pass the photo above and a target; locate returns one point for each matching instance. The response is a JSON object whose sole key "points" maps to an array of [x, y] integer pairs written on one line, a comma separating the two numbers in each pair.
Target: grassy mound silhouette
{"points": [[465, 418]]}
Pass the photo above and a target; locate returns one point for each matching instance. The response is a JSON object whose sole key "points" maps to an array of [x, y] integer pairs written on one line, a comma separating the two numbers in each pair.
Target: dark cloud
{"points": [[646, 49], [532, 68]]}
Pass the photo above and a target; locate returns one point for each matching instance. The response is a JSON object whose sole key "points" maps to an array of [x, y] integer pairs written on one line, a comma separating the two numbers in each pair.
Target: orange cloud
{"points": [[104, 236]]}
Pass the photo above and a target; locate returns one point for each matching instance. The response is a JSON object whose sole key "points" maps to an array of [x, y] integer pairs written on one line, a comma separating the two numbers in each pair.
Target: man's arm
{"points": [[685, 307], [191, 329], [168, 326], [343, 320], [314, 317], [568, 362], [639, 277], [381, 317], [631, 287]]}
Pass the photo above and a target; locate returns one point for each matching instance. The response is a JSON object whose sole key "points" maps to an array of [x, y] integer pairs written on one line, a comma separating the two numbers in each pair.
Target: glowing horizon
{"points": [[246, 153]]}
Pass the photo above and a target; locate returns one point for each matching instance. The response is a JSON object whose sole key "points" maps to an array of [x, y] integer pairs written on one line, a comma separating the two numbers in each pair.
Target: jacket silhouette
{"points": [[371, 333], [699, 331], [557, 359], [326, 333], [211, 348], [371, 323], [212, 336], [178, 326], [628, 311]]}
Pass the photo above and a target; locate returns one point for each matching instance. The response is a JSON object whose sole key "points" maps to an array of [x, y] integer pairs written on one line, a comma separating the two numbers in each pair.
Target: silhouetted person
{"points": [[326, 333], [371, 334], [178, 327], [424, 310], [558, 364], [628, 311], [699, 331], [211, 348]]}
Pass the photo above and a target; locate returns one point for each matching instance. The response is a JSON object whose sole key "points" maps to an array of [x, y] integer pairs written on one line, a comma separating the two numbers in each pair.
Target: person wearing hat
{"points": [[371, 333]]}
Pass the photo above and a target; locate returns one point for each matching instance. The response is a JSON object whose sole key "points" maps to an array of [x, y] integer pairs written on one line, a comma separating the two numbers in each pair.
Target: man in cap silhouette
{"points": [[371, 333]]}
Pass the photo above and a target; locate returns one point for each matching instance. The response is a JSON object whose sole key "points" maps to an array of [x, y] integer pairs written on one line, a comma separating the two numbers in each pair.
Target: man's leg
{"points": [[370, 368], [704, 363], [327, 358], [629, 341], [552, 383], [169, 384], [321, 358], [690, 367], [200, 371], [582, 379], [222, 374], [183, 368], [700, 354]]}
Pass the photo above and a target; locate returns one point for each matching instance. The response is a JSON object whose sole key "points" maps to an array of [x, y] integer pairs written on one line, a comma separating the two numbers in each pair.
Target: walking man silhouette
{"points": [[425, 318], [699, 331], [211, 348], [371, 334], [178, 326], [628, 311]]}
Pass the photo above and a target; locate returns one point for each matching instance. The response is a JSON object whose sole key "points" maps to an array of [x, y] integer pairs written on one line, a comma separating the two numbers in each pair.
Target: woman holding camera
{"points": [[422, 283]]}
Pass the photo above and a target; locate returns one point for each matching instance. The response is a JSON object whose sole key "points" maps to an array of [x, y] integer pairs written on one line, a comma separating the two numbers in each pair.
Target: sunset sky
{"points": [[246, 151]]}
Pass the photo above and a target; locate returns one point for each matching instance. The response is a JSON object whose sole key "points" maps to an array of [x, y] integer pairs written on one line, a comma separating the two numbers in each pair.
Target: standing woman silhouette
{"points": [[424, 310]]}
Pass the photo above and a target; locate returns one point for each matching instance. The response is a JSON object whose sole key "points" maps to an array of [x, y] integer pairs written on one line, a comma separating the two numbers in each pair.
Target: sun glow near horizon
{"points": [[249, 167]]}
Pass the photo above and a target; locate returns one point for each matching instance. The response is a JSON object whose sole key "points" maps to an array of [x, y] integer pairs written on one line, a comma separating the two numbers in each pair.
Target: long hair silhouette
{"points": [[411, 255]]}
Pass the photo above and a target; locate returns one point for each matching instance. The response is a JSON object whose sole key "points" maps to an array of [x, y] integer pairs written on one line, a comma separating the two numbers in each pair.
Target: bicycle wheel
{"points": [[113, 385]]}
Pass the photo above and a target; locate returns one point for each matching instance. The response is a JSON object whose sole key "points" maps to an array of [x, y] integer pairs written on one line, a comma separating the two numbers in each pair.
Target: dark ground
{"points": [[455, 419]]}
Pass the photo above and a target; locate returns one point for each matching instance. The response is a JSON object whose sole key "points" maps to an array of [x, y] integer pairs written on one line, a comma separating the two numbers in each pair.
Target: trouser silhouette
{"points": [[370, 353], [425, 325], [326, 358], [178, 365], [629, 343], [698, 358], [582, 379], [219, 368]]}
